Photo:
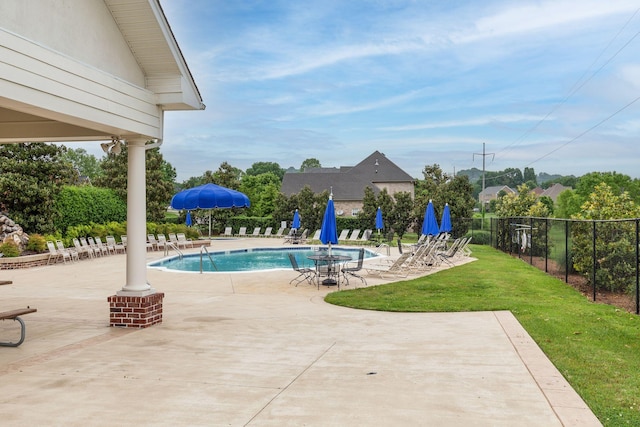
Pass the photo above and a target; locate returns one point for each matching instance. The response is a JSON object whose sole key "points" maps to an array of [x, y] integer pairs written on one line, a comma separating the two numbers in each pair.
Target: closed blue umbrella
{"points": [[379, 222], [296, 220], [329, 230], [430, 223], [445, 223], [189, 223]]}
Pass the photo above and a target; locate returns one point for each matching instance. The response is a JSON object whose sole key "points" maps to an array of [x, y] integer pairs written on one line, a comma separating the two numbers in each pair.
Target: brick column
{"points": [[135, 311]]}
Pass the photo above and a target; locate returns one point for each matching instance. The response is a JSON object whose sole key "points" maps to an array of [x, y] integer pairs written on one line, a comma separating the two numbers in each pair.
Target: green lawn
{"points": [[595, 346]]}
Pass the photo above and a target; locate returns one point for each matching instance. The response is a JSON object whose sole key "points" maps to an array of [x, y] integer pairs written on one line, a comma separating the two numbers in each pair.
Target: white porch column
{"points": [[136, 222]]}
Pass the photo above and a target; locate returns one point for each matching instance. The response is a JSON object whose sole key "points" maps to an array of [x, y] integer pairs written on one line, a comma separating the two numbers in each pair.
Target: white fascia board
{"points": [[65, 89]]}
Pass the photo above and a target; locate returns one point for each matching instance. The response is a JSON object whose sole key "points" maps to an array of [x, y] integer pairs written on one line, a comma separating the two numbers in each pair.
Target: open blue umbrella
{"points": [[329, 230], [188, 221], [296, 220], [445, 222], [430, 223], [209, 196]]}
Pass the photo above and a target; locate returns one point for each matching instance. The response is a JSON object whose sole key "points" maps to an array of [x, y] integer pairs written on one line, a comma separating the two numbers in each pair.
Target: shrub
{"points": [[37, 243], [480, 237], [9, 249]]}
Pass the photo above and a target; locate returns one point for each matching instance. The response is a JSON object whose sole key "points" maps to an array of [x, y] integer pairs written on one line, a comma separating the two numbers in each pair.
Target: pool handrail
{"points": [[204, 248], [173, 246]]}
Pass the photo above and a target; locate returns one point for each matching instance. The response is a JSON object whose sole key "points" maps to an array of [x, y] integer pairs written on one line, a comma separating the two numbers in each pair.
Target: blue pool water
{"points": [[257, 259]]}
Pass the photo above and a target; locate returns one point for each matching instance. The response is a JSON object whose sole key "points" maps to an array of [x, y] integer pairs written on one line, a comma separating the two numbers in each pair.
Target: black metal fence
{"points": [[600, 257]]}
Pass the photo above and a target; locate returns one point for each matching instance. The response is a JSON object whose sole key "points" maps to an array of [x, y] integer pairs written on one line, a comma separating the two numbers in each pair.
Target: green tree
{"points": [[159, 180], [568, 204], [399, 218], [86, 164], [615, 240], [618, 183], [521, 204], [31, 176], [228, 176], [530, 175], [310, 163], [442, 188], [262, 191], [260, 168]]}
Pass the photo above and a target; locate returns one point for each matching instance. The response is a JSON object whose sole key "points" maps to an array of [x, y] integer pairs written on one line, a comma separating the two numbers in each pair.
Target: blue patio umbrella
{"points": [[445, 222], [329, 230], [430, 223], [379, 222], [188, 221], [296, 220], [209, 196]]}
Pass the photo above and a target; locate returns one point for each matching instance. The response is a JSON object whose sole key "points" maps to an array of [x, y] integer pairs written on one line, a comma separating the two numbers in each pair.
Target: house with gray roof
{"points": [[554, 191], [491, 193], [348, 182]]}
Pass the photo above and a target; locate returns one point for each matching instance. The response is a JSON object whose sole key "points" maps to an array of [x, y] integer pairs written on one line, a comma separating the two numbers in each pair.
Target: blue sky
{"points": [[545, 84]]}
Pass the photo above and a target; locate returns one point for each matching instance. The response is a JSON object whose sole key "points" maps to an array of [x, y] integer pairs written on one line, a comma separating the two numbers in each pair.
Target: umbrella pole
{"points": [[209, 223]]}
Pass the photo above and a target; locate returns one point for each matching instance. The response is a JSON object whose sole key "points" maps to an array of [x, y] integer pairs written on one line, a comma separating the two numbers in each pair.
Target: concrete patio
{"points": [[240, 349]]}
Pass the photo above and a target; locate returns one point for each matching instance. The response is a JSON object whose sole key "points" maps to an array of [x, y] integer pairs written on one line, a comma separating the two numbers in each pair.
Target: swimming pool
{"points": [[244, 260]]}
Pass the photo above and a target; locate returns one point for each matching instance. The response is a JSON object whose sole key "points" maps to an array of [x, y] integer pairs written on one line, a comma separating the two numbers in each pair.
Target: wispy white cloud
{"points": [[477, 121]]}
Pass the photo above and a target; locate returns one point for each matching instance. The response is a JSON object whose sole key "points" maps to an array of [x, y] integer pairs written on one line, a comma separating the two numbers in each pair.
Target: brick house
{"points": [[348, 182]]}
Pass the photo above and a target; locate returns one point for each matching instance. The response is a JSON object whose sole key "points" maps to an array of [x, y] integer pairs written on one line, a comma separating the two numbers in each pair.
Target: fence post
{"points": [[566, 251], [594, 261], [637, 267], [546, 245]]}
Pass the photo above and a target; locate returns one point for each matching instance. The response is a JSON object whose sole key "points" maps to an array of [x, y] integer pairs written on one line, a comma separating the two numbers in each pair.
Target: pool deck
{"points": [[249, 349]]}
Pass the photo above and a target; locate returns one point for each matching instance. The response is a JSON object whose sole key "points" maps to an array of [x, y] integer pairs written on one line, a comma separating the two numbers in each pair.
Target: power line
{"points": [[577, 85], [586, 131]]}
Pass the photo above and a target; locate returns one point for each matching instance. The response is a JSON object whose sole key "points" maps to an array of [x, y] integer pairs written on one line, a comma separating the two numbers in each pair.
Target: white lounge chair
{"points": [[354, 235], [256, 232], [242, 232], [183, 241], [267, 232], [343, 235], [396, 268], [228, 232]]}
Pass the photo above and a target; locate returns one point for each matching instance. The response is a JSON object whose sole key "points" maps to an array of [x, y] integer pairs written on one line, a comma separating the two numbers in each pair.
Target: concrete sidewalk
{"points": [[250, 349]]}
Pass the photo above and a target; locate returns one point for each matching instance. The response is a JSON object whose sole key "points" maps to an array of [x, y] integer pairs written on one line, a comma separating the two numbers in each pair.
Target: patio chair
{"points": [[123, 239], [354, 235], [267, 232], [256, 232], [289, 237], [117, 247], [464, 249], [101, 247], [304, 273], [183, 241], [353, 270], [366, 237], [279, 232], [162, 241], [90, 249], [67, 254], [228, 232], [396, 268], [82, 251], [451, 252], [173, 239], [242, 232], [54, 255], [152, 242], [316, 236], [343, 235]]}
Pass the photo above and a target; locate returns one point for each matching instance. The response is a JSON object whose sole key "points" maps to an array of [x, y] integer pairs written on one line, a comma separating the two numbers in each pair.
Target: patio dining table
{"points": [[333, 263]]}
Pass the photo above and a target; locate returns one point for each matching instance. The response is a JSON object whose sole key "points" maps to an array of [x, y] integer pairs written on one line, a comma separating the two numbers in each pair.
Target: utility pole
{"points": [[484, 155]]}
